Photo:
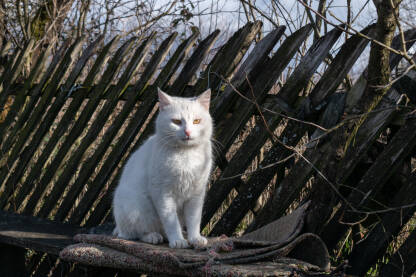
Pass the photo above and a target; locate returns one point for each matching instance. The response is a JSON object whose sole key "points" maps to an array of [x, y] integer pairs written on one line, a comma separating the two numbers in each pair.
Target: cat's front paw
{"points": [[179, 243], [153, 238], [198, 241]]}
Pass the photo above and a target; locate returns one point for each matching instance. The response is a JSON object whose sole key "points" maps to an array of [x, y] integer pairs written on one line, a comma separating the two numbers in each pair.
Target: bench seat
{"points": [[36, 233]]}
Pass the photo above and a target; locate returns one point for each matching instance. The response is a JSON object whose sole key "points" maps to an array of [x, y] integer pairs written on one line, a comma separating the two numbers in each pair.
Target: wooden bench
{"points": [[75, 119]]}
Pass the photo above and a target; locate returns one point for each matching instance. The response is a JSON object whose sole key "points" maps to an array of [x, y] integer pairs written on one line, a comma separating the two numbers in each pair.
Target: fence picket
{"points": [[67, 171], [259, 135], [376, 176], [21, 94], [260, 88], [62, 127], [227, 58], [49, 118], [302, 170], [102, 88], [91, 163], [13, 153], [93, 131], [366, 253], [403, 262]]}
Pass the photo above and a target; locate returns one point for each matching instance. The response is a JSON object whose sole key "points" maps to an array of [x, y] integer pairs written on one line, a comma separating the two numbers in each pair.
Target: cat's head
{"points": [[184, 121]]}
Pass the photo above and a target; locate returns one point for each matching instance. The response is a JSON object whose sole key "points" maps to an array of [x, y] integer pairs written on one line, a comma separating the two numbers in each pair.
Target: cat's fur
{"points": [[163, 184]]}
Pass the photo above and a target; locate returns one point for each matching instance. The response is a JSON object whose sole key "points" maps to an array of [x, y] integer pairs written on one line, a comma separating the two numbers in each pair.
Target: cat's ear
{"points": [[164, 99], [205, 98]]}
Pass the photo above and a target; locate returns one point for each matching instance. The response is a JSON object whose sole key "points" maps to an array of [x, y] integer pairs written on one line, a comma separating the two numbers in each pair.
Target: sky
{"points": [[228, 15]]}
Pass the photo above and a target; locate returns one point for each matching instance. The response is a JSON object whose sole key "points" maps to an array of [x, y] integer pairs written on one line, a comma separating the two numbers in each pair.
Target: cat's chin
{"points": [[188, 142]]}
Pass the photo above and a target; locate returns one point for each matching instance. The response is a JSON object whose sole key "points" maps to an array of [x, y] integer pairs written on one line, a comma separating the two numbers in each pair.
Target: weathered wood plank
{"points": [[259, 135], [366, 253], [300, 173], [13, 153], [113, 67], [35, 233], [251, 190], [288, 190], [29, 106], [93, 130], [132, 129], [90, 165], [193, 64], [403, 262], [373, 180], [22, 92], [367, 133], [324, 202], [261, 85], [339, 68], [47, 120], [224, 101], [62, 127], [10, 74], [227, 58]]}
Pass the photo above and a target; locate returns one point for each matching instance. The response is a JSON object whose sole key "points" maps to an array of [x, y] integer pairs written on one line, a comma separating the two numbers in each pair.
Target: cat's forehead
{"points": [[185, 107]]}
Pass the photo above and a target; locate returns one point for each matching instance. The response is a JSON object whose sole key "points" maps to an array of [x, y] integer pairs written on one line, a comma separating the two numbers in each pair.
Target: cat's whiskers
{"points": [[166, 139]]}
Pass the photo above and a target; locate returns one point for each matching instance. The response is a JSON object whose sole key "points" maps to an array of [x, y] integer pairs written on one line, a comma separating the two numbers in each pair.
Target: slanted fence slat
{"points": [[376, 176], [21, 94], [62, 126], [261, 50], [9, 76], [78, 126], [227, 58], [260, 87], [93, 130], [90, 164], [403, 262], [30, 106], [258, 134], [51, 114], [333, 169], [40, 108], [290, 187], [378, 239], [193, 64]]}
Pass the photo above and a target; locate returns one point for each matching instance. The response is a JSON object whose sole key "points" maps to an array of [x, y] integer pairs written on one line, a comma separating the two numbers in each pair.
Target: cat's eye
{"points": [[197, 121], [177, 121]]}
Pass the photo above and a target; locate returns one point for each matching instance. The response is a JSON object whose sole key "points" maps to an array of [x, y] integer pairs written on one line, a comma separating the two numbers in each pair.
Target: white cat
{"points": [[163, 184]]}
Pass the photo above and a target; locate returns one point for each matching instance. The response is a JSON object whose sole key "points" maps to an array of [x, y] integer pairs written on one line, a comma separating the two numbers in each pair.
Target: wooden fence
{"points": [[70, 124]]}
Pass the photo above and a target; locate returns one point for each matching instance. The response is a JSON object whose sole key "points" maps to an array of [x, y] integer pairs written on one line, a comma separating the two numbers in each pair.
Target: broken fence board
{"points": [[63, 125], [48, 119], [96, 126], [112, 68], [90, 165], [259, 135]]}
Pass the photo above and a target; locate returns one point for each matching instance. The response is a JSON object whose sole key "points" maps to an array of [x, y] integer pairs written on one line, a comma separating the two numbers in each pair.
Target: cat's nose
{"points": [[187, 133]]}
